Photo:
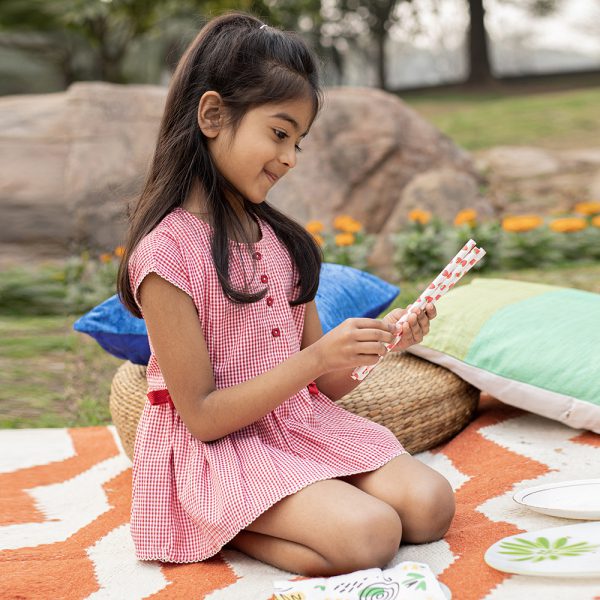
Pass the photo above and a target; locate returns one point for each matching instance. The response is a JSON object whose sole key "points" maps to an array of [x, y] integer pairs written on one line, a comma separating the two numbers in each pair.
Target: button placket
{"points": [[264, 278]]}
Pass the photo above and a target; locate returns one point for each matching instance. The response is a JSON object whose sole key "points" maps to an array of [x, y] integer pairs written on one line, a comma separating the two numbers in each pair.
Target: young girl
{"points": [[240, 442]]}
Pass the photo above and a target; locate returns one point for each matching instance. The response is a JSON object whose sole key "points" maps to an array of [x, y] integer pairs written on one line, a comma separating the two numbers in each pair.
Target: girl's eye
{"points": [[282, 135]]}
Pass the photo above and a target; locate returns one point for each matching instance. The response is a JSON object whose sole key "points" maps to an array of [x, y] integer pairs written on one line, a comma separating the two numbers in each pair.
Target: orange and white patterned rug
{"points": [[65, 494]]}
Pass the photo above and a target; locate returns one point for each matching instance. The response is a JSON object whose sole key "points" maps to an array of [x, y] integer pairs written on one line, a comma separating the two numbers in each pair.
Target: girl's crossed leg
{"points": [[338, 526]]}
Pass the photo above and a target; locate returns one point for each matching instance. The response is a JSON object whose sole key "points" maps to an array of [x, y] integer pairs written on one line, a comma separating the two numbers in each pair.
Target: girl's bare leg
{"points": [[327, 528], [422, 497]]}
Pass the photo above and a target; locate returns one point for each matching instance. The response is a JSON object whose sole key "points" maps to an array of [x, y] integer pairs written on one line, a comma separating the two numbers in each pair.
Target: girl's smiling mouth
{"points": [[271, 176]]}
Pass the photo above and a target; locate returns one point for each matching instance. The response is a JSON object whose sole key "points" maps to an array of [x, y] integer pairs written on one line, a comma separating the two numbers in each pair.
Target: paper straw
{"points": [[445, 280], [445, 274], [460, 265]]}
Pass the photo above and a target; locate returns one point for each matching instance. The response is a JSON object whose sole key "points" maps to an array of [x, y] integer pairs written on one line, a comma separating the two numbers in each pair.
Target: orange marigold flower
{"points": [[347, 224], [119, 251], [419, 216], [319, 239], [588, 208], [521, 223], [467, 216], [314, 227], [106, 257], [352, 226], [568, 224], [596, 221], [344, 239], [341, 221]]}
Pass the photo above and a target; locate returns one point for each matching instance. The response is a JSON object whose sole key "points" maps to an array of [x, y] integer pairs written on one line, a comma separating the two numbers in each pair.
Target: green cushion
{"points": [[535, 346]]}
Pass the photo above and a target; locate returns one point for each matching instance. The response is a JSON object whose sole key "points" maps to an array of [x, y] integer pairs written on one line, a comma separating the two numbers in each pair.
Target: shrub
{"points": [[346, 244], [425, 244]]}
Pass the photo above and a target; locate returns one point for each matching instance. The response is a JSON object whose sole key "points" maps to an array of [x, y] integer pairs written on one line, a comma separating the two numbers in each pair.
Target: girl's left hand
{"points": [[415, 328]]}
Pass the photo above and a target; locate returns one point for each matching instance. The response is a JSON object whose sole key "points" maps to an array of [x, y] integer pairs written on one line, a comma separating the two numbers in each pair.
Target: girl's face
{"points": [[264, 147]]}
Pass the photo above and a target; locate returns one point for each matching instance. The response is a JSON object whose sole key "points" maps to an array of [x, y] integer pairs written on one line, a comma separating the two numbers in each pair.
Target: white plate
{"points": [[578, 499], [567, 551]]}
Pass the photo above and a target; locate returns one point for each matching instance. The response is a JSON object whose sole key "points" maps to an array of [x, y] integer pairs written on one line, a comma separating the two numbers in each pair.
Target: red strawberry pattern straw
{"points": [[460, 265]]}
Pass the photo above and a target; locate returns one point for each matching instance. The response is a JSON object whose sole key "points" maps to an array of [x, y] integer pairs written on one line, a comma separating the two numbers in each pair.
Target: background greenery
{"points": [[45, 46], [553, 119], [55, 377]]}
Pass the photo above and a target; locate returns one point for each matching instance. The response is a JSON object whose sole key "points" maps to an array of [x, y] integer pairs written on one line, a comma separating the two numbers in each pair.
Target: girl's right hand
{"points": [[353, 343]]}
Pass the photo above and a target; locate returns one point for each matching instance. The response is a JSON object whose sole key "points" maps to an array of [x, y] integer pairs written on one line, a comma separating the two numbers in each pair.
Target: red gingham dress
{"points": [[189, 497]]}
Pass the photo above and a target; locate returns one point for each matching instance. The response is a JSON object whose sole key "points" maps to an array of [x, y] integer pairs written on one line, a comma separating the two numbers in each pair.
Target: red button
{"points": [[264, 278], [269, 301], [257, 256], [275, 332]]}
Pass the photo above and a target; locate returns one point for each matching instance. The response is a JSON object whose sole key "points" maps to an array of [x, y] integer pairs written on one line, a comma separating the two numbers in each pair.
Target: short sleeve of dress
{"points": [[160, 253]]}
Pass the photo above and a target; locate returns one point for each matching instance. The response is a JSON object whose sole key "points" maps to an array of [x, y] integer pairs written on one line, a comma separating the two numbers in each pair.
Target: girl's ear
{"points": [[210, 114]]}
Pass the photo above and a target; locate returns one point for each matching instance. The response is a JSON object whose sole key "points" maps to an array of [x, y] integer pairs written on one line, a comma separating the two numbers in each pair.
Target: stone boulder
{"points": [[518, 162], [363, 152], [595, 187], [524, 179], [72, 160]]}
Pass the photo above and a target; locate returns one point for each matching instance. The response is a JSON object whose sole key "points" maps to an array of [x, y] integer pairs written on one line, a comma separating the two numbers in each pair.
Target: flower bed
{"points": [[513, 242]]}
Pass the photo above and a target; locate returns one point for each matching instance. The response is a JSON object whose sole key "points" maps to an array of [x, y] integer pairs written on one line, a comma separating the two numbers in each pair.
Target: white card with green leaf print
{"points": [[568, 551], [407, 580]]}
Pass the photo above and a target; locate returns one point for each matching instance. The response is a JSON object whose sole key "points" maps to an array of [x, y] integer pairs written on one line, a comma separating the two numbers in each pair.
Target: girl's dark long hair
{"points": [[248, 66]]}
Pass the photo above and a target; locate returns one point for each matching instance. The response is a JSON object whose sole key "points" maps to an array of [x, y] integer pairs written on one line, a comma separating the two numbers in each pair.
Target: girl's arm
{"points": [[209, 414]]}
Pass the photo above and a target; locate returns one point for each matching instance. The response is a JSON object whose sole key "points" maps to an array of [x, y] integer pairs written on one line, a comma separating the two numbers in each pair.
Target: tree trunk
{"points": [[111, 63], [337, 60], [380, 37], [479, 62]]}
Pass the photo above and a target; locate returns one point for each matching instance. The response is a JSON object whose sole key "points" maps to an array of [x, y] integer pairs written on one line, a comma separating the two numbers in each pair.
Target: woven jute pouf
{"points": [[126, 402], [421, 403]]}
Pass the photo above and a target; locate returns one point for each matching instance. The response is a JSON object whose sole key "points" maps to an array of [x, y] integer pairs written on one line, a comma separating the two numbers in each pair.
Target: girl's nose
{"points": [[288, 157]]}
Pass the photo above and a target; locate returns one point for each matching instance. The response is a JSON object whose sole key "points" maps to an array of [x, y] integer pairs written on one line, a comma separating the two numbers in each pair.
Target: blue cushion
{"points": [[117, 331], [346, 292], [343, 292]]}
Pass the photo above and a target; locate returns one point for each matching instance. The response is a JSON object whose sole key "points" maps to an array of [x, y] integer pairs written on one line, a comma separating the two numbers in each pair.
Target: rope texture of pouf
{"points": [[421, 403], [126, 402]]}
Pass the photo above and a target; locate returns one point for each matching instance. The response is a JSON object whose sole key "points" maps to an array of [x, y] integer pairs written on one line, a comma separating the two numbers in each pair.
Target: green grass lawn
{"points": [[562, 119], [52, 376], [56, 377]]}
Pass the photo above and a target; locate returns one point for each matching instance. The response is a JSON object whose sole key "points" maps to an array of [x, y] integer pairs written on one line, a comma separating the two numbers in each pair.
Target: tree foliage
{"points": [[91, 39]]}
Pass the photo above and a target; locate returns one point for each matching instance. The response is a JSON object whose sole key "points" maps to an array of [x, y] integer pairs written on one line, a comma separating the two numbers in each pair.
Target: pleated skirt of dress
{"points": [[190, 497]]}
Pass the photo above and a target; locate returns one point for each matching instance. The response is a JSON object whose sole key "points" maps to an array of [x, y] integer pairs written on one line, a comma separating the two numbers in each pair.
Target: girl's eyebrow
{"points": [[289, 119]]}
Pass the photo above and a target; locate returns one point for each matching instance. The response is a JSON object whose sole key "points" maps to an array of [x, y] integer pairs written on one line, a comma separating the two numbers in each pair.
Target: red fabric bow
{"points": [[160, 397]]}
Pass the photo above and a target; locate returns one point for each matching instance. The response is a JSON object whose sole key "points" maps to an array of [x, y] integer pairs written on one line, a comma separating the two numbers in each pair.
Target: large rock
{"points": [[365, 148], [73, 159], [517, 162], [443, 192], [539, 180], [595, 187]]}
